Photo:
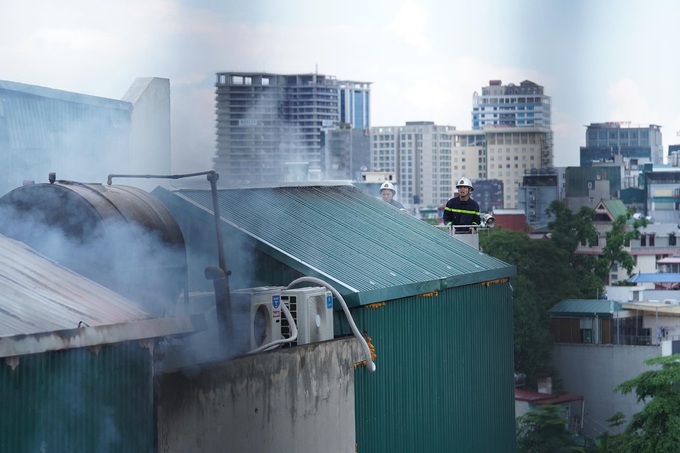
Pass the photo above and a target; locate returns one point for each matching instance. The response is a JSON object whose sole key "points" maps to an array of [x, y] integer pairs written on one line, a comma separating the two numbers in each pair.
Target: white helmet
{"points": [[464, 182], [387, 185]]}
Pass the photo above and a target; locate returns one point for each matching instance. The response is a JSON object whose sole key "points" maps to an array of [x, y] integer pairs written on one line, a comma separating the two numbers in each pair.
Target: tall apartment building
{"points": [[516, 120], [511, 106], [635, 145], [265, 122]]}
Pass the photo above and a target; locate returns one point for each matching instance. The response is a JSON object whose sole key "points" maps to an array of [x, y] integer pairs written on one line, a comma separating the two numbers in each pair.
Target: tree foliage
{"points": [[657, 426], [549, 271], [568, 230], [544, 430], [546, 274], [617, 239]]}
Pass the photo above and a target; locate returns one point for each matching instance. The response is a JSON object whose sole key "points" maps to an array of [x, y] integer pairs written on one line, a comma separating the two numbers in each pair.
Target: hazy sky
{"points": [[599, 60]]}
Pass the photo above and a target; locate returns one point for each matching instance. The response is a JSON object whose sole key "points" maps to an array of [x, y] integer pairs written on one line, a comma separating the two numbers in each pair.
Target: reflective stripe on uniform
{"points": [[461, 211]]}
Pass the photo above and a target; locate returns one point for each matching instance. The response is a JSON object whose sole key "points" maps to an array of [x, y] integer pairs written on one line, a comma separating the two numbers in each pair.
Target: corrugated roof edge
{"points": [[66, 96], [351, 295], [19, 345]]}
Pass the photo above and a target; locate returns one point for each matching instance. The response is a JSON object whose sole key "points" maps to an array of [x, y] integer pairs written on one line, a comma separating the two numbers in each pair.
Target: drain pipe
{"points": [[218, 275]]}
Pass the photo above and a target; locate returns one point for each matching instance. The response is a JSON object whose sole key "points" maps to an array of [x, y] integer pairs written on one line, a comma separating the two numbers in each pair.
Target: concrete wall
{"points": [[593, 371], [293, 400], [149, 150]]}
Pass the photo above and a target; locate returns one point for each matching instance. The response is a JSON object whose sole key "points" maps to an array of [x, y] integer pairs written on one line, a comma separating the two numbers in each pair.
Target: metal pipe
{"points": [[221, 278], [212, 176]]}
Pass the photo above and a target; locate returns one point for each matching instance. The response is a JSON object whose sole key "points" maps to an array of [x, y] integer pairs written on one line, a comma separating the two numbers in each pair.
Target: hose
{"points": [[293, 333], [357, 334]]}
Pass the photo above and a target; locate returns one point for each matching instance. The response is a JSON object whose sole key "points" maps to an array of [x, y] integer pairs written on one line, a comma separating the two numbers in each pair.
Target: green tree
{"points": [[545, 275], [569, 230], [618, 238], [532, 339], [656, 428], [613, 443], [544, 430]]}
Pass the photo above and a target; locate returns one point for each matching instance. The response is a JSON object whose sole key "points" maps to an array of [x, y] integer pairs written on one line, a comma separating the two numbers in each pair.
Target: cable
{"points": [[357, 334]]}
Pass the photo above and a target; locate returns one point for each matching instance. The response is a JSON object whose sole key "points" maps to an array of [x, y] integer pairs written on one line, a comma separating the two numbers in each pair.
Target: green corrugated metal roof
{"points": [[585, 307], [367, 249], [615, 207]]}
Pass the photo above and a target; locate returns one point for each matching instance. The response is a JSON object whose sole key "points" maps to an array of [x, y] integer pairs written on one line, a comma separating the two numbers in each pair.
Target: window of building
{"points": [[643, 240], [671, 239], [651, 240]]}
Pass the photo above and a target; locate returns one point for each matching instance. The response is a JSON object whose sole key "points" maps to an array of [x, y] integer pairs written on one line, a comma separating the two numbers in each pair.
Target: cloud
{"points": [[410, 23], [629, 104]]}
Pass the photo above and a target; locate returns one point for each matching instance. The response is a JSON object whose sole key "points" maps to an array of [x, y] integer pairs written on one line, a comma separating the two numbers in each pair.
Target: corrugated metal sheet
{"points": [[61, 95], [37, 295], [367, 249], [41, 126], [591, 307], [40, 122], [615, 207], [445, 374], [78, 401]]}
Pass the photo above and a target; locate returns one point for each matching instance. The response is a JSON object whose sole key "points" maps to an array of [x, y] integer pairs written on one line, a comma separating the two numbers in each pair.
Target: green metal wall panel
{"points": [[78, 400], [445, 373]]}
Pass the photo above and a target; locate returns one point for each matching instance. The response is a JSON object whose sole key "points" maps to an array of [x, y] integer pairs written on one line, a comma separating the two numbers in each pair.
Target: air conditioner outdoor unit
{"points": [[312, 310], [259, 309]]}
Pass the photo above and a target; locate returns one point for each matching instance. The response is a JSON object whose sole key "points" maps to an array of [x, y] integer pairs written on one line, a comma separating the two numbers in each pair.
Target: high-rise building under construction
{"points": [[271, 127]]}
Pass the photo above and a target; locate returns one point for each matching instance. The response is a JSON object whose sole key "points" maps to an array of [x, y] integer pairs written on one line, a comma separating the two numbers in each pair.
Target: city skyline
{"points": [[598, 61]]}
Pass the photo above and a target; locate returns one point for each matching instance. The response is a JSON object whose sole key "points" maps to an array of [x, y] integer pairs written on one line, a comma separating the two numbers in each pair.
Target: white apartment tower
{"points": [[428, 159], [419, 154]]}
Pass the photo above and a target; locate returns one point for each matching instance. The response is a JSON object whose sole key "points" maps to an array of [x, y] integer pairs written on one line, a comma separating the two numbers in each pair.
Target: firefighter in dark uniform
{"points": [[387, 193], [462, 212]]}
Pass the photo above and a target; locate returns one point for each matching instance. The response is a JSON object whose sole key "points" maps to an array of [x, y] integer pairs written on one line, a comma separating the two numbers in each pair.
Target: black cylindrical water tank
{"points": [[119, 236]]}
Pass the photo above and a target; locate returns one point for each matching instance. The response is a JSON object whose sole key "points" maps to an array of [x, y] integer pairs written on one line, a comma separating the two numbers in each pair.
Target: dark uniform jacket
{"points": [[459, 212], [396, 204]]}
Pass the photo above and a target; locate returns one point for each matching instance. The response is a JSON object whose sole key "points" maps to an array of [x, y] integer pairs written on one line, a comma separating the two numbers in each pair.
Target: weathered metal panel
{"points": [[78, 400], [42, 127], [41, 296], [445, 377], [119, 236]]}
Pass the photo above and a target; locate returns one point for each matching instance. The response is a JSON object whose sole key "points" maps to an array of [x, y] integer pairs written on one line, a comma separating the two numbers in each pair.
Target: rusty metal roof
{"points": [[366, 248], [37, 295], [45, 307]]}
